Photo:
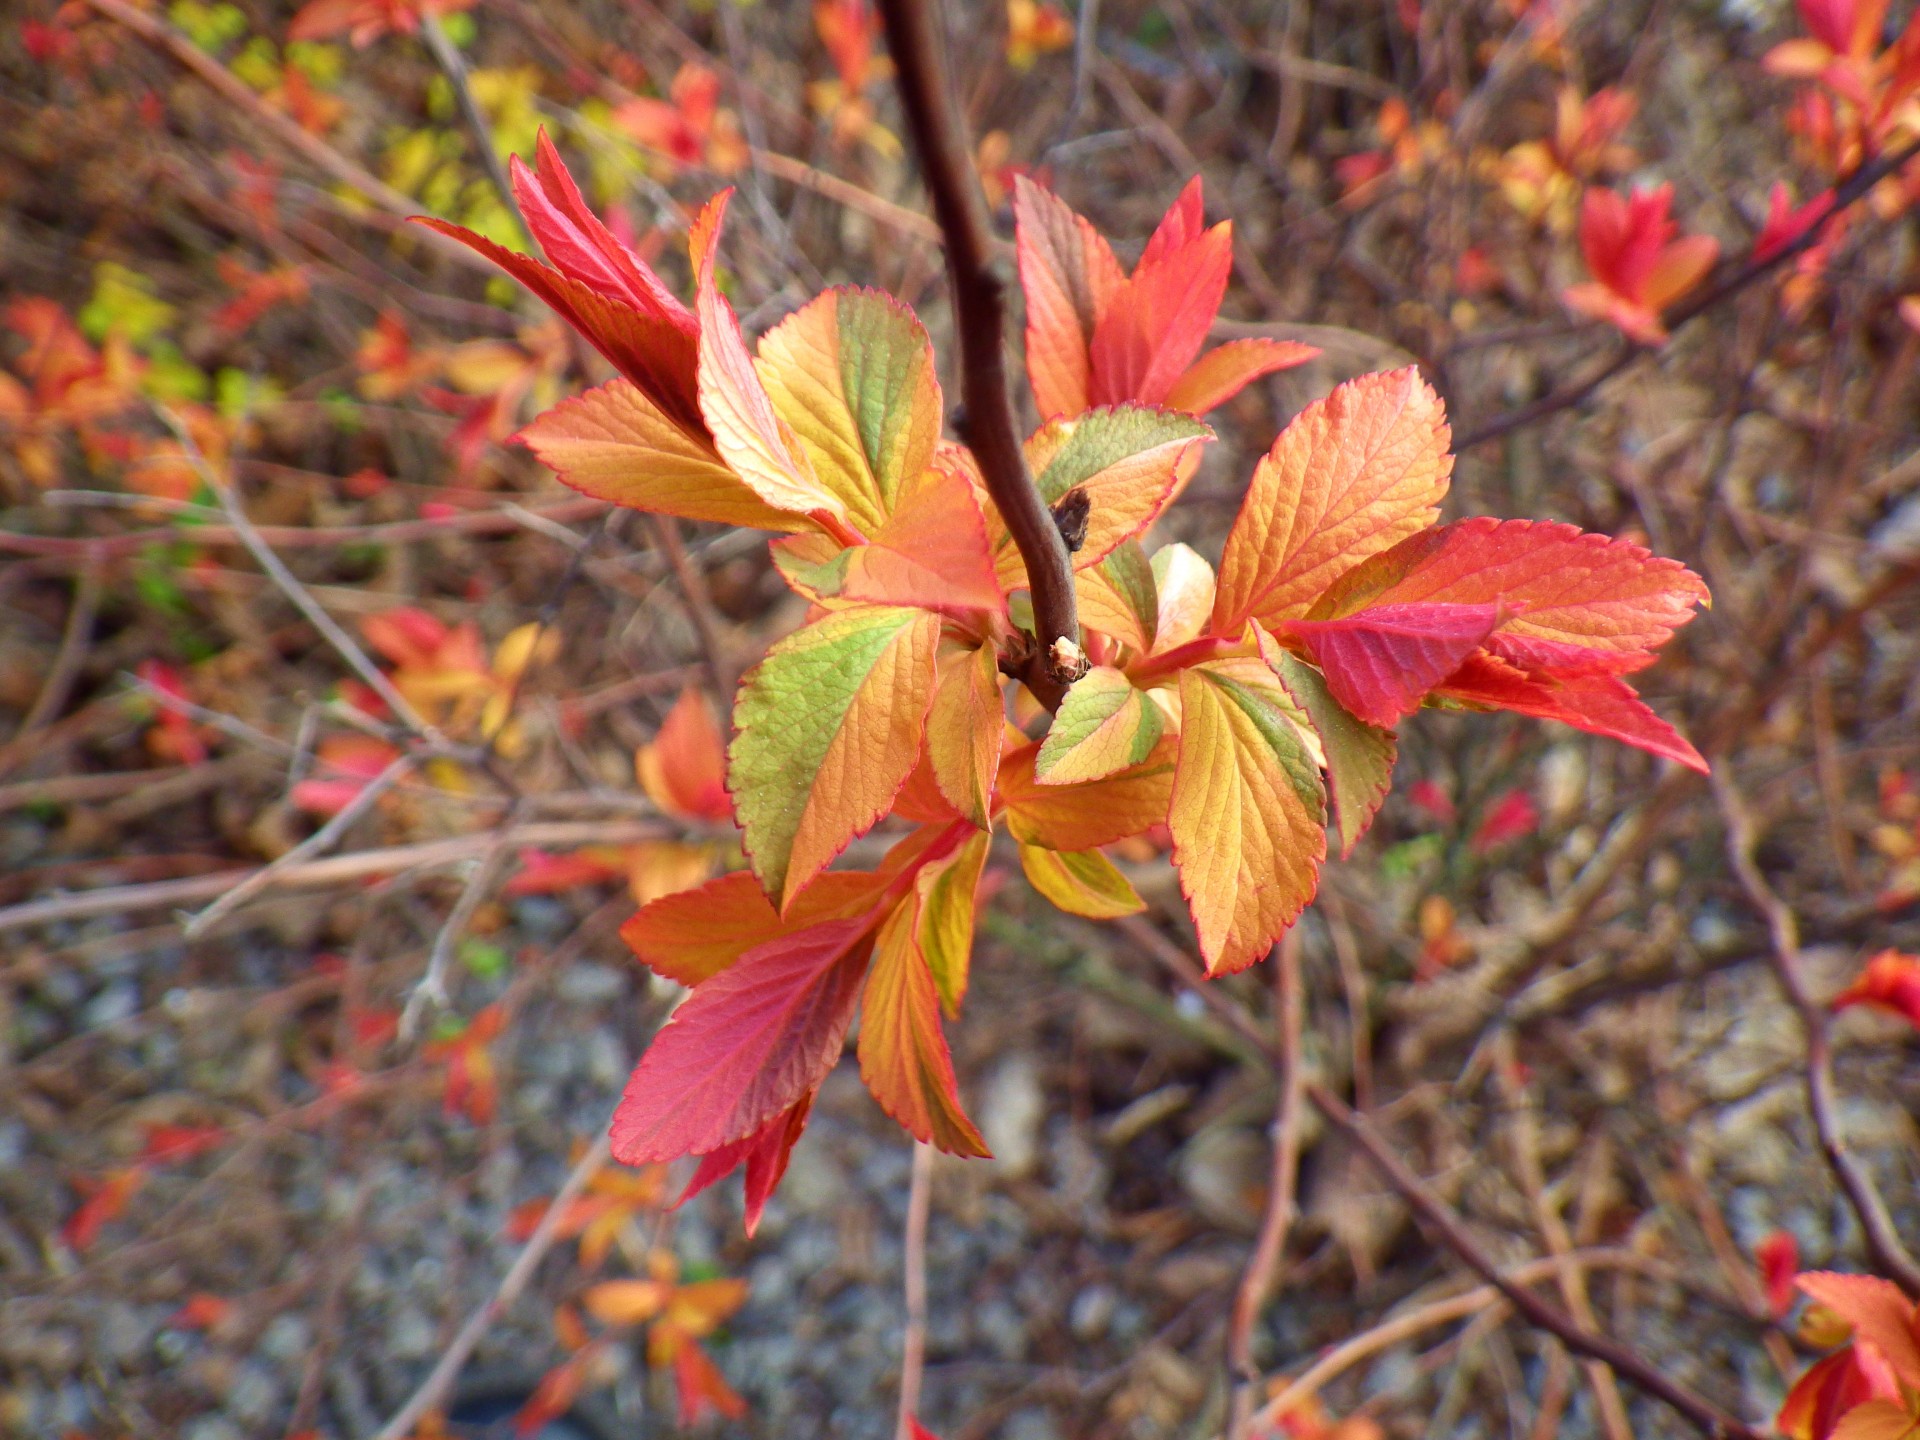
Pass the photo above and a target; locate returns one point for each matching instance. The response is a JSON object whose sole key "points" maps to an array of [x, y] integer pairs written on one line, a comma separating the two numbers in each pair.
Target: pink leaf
{"points": [[748, 1044]]}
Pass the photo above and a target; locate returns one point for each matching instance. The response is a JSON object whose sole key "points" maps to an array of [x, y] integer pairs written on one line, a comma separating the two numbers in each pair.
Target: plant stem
{"points": [[979, 311]]}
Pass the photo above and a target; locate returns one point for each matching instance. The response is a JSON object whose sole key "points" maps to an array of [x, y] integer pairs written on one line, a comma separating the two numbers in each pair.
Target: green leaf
{"points": [[1104, 726], [1080, 882], [829, 728], [1359, 756]]}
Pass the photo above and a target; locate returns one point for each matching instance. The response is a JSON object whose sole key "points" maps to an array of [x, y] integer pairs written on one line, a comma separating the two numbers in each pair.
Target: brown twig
{"points": [[1256, 1282], [979, 311], [433, 1390], [503, 520], [332, 870], [1708, 1419], [74, 639], [913, 1344], [1732, 281], [1444, 1311], [1888, 1255]]}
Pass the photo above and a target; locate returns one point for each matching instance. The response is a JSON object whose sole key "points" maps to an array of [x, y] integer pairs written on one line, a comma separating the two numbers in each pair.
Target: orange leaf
{"points": [[693, 935], [616, 444], [1085, 817], [903, 1054], [1247, 811], [750, 435], [1879, 1312], [1351, 476], [966, 727], [683, 768], [626, 1302], [1069, 275], [701, 1387]]}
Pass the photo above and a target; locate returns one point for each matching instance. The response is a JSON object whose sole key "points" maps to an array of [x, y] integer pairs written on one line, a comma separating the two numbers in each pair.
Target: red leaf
{"points": [[169, 1144], [701, 1387], [765, 1154], [748, 1044], [1565, 589], [1890, 982], [651, 351], [1779, 1258], [1598, 704], [1511, 816], [1157, 321], [579, 245], [1381, 662]]}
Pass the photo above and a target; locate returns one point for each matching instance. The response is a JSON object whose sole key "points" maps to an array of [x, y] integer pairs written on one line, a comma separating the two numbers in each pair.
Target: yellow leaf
{"points": [[1247, 811], [1080, 882]]}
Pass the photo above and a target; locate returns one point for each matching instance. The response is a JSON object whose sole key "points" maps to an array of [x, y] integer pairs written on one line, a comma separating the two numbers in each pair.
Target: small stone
{"points": [[254, 1395], [1091, 1312], [211, 1427], [411, 1336], [589, 984], [117, 1002], [286, 1339], [1011, 1109], [1224, 1171]]}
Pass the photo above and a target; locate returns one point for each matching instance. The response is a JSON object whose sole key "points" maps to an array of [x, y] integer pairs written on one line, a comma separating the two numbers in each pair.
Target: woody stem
{"points": [[979, 309]]}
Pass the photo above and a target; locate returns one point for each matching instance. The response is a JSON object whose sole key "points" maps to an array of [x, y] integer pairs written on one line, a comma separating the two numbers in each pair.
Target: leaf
{"points": [[691, 936], [699, 1387], [931, 553], [683, 768], [947, 889], [1351, 476], [1226, 370], [747, 431], [851, 372], [616, 444], [1128, 461], [1599, 704], [1117, 597], [625, 1302], [1247, 811], [1890, 981], [649, 350], [965, 729], [1104, 725], [1157, 320], [1879, 1312], [1084, 817], [764, 1153], [1359, 756], [747, 1045], [1877, 1420], [1574, 599], [576, 242], [829, 726], [1080, 882], [1184, 589], [1068, 274], [1381, 662], [903, 1055]]}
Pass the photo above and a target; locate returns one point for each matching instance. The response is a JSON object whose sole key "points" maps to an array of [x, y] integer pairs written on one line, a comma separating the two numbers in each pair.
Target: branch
{"points": [[1704, 1417], [1889, 1256], [1854, 188], [913, 1348], [1256, 1284], [979, 312]]}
